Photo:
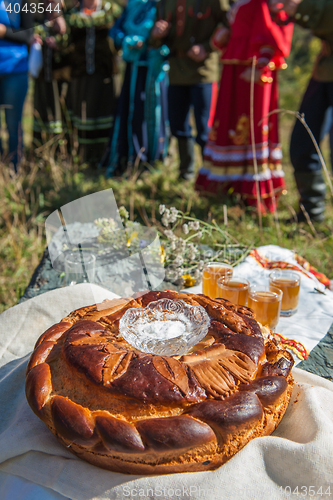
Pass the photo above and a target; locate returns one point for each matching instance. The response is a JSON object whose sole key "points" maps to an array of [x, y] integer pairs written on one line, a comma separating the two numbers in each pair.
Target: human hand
{"points": [[137, 45], [275, 6], [59, 25], [50, 42], [160, 29], [221, 36], [3, 30], [197, 53], [289, 6], [133, 42], [36, 39], [247, 75]]}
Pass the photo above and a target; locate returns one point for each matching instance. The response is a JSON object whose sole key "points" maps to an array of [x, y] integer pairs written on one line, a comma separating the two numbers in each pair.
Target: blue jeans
{"points": [[13, 89], [181, 99]]}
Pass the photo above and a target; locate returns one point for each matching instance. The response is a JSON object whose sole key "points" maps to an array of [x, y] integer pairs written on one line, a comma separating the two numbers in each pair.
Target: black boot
{"points": [[186, 156], [312, 189]]}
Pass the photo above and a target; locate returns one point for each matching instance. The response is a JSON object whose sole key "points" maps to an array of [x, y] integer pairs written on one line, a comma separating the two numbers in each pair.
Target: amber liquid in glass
{"points": [[266, 306], [210, 277], [290, 289], [236, 292]]}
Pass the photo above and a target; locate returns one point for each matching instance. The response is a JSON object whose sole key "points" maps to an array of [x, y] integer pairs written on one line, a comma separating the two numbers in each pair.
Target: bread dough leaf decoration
{"points": [[116, 364], [95, 340], [217, 311], [217, 369], [173, 371], [112, 310]]}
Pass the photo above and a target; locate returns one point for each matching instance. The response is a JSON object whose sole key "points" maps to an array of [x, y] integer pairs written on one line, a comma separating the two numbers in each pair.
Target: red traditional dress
{"points": [[228, 156]]}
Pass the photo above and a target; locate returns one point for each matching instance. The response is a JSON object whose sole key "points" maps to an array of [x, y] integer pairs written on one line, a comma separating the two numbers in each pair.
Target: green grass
{"points": [[46, 183]]}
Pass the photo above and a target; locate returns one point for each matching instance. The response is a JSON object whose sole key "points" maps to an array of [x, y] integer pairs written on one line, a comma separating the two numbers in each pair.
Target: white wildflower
{"points": [[199, 234], [197, 274], [194, 225], [178, 261], [200, 265], [170, 235], [123, 213], [107, 232], [102, 221], [170, 274], [166, 217], [181, 244], [173, 215], [192, 255], [192, 248], [192, 251], [180, 271], [185, 228], [161, 209]]}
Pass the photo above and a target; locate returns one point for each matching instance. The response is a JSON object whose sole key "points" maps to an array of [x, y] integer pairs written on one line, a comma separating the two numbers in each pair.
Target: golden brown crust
{"points": [[39, 387], [54, 333], [134, 412]]}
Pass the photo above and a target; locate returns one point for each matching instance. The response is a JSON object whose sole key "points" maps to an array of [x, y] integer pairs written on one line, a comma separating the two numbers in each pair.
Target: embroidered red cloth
{"points": [[280, 264]]}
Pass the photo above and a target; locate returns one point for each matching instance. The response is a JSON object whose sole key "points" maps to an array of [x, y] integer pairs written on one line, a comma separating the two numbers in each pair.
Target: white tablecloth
{"points": [[34, 466]]}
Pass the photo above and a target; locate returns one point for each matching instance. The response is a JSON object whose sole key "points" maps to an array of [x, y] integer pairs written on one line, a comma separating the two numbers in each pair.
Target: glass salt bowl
{"points": [[165, 327]]}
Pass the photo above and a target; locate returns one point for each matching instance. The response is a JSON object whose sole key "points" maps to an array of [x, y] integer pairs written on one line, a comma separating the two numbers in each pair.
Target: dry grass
{"points": [[21, 232]]}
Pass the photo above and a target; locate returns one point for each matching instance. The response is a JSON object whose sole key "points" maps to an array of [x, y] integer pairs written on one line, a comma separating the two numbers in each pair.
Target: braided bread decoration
{"points": [[133, 412]]}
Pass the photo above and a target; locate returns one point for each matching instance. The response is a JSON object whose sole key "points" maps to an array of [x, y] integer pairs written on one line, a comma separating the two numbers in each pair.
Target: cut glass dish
{"points": [[165, 327]]}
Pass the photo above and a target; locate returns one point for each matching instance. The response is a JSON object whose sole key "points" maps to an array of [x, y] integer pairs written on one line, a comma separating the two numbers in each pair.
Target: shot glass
{"points": [[79, 267], [289, 283], [212, 271], [265, 302], [234, 289]]}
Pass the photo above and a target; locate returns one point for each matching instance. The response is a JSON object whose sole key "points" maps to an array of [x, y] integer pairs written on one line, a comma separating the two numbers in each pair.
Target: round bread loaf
{"points": [[133, 412]]}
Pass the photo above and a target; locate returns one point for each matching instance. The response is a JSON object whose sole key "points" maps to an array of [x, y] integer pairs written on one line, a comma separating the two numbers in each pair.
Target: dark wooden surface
{"points": [[320, 360], [46, 278]]}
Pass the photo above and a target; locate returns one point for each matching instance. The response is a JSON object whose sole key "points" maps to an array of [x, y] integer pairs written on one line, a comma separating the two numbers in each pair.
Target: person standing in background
{"points": [[51, 87], [16, 29], [256, 35], [186, 27], [141, 123], [317, 16], [92, 68]]}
